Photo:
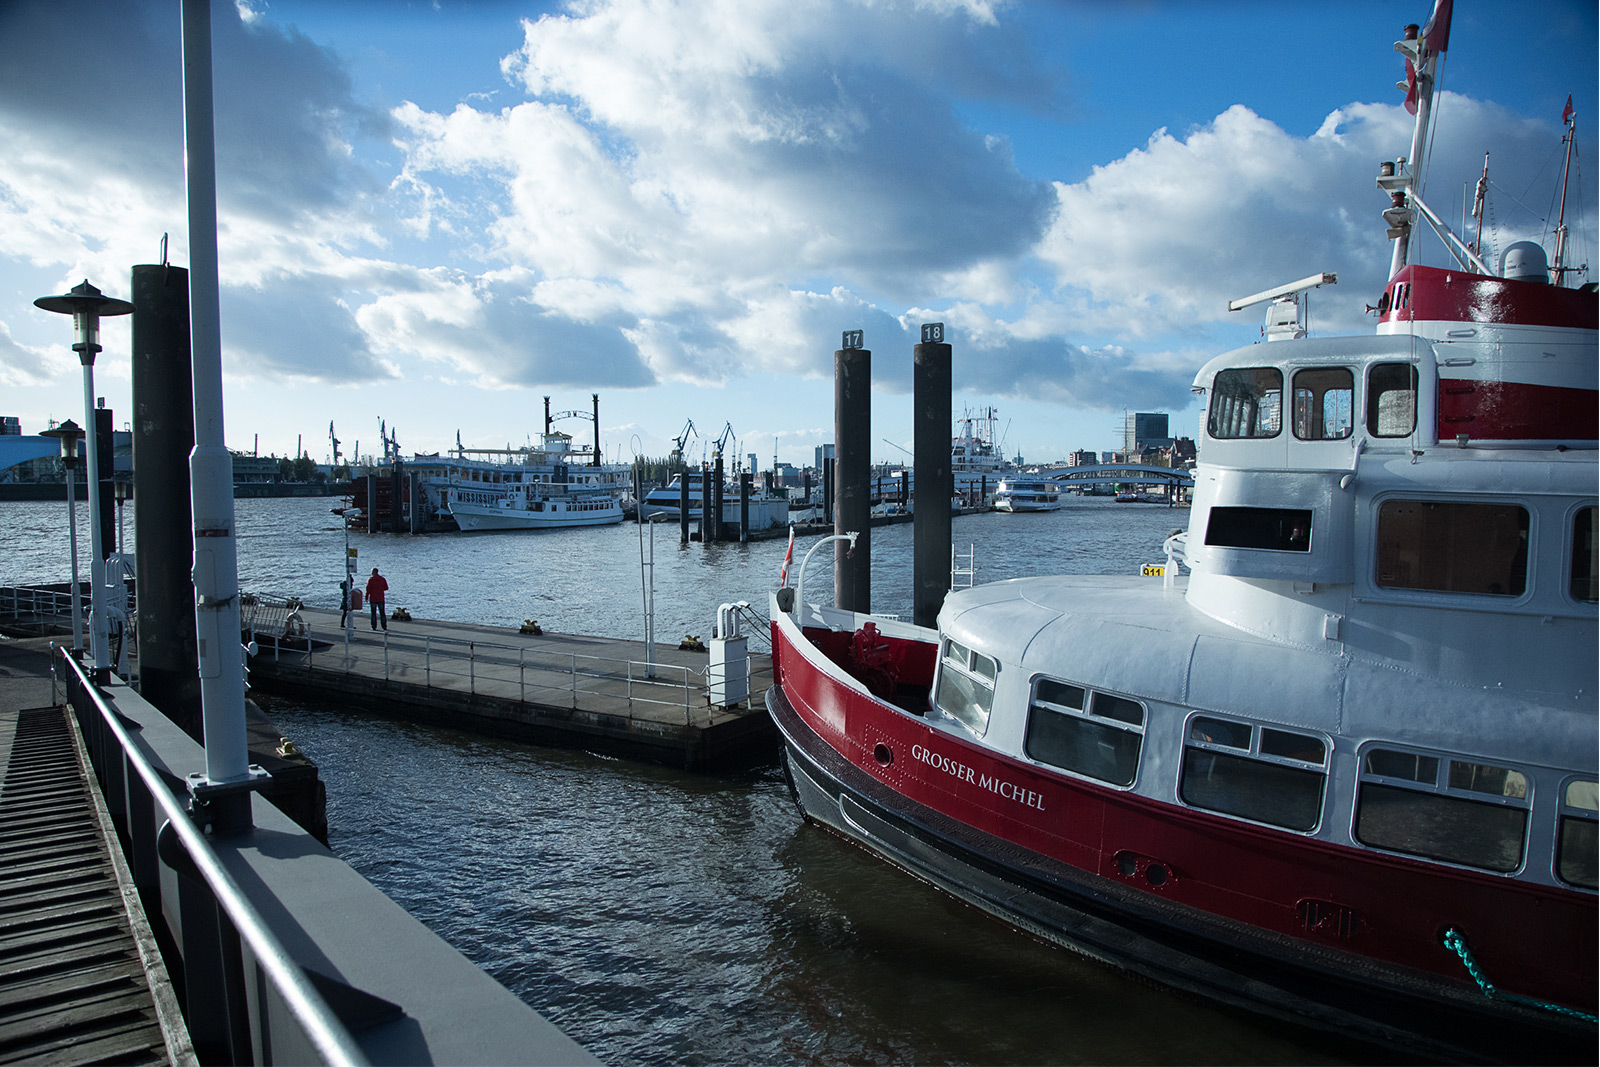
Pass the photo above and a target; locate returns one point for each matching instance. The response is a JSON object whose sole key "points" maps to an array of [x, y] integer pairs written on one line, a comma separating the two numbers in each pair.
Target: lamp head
{"points": [[68, 434], [86, 305]]}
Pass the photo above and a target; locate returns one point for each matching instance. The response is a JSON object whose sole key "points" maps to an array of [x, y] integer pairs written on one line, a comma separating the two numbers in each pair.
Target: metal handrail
{"points": [[322, 1027]]}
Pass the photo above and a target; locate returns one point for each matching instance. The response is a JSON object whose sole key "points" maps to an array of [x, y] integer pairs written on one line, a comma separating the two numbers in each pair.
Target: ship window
{"points": [[1391, 400], [1474, 814], [1453, 547], [966, 686], [1283, 529], [1246, 402], [1575, 848], [1089, 733], [1584, 560], [1322, 403], [1255, 772]]}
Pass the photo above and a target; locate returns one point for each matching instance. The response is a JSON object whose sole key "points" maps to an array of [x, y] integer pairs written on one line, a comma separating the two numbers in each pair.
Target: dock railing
{"points": [[219, 919], [287, 954], [39, 608], [485, 668]]}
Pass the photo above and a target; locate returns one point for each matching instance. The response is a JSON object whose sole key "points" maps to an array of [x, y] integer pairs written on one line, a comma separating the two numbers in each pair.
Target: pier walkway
{"points": [[81, 979], [570, 690]]}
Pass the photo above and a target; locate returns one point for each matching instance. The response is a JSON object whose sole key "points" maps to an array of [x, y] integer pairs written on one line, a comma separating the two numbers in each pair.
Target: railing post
{"points": [[386, 654], [427, 661], [472, 669], [574, 659], [522, 675]]}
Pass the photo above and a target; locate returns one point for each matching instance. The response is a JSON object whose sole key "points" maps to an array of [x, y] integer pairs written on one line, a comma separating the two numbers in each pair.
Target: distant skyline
{"points": [[436, 214]]}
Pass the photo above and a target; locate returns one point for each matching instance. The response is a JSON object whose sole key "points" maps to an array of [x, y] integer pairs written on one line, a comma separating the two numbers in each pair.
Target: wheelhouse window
{"points": [[1094, 734], [1453, 547], [1441, 808], [1322, 403], [1584, 563], [1254, 771], [1575, 844], [1391, 400], [966, 686], [1246, 402], [1283, 529]]}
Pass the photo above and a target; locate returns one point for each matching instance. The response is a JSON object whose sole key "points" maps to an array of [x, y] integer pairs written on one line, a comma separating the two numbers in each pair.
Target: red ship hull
{"points": [[1326, 936]]}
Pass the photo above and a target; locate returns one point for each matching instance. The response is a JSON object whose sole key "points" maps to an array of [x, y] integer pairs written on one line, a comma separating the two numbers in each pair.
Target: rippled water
{"points": [[666, 918]]}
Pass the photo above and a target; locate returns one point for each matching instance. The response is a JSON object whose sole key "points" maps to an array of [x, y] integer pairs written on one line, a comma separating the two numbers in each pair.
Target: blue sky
{"points": [[437, 214]]}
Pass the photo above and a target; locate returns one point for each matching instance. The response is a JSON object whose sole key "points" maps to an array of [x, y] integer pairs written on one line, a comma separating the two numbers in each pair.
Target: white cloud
{"points": [[22, 365]]}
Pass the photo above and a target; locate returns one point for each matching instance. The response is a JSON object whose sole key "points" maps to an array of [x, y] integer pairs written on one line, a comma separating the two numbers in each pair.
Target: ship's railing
{"points": [[229, 959], [486, 668]]}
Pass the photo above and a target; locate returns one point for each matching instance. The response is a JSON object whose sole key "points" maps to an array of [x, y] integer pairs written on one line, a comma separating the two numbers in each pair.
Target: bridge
{"points": [[1119, 474]]}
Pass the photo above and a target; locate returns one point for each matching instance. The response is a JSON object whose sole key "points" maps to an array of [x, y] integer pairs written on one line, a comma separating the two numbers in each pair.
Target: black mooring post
{"points": [[744, 506], [163, 437], [683, 506], [827, 489], [935, 477], [706, 532], [852, 437], [716, 499]]}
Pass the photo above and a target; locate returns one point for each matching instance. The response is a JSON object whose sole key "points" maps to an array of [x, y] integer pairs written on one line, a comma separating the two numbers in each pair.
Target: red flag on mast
{"points": [[1567, 112]]}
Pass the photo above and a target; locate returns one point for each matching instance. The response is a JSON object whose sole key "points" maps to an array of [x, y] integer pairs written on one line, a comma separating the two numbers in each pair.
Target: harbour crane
{"points": [[682, 439], [720, 445]]}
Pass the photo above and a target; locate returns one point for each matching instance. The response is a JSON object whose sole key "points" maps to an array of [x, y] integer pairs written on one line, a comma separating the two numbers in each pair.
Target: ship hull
{"points": [[1094, 917]]}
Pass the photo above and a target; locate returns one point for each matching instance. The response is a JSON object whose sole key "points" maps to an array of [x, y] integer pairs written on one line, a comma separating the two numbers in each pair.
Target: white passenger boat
{"points": [[1024, 494], [665, 501], [528, 488], [977, 461], [1343, 773]]}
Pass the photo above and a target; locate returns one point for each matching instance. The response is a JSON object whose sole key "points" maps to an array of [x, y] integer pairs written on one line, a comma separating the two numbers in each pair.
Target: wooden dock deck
{"points": [[81, 980], [566, 690]]}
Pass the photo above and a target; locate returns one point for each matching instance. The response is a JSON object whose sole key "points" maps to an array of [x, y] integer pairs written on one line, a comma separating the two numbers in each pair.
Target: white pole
{"points": [[99, 645], [72, 525], [216, 562]]}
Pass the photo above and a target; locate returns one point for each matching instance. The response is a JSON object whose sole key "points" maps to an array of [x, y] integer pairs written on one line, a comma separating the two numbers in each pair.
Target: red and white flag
{"points": [[1567, 112], [788, 558]]}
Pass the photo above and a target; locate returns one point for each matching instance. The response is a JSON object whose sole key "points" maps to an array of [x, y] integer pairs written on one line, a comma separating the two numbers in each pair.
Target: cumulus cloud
{"points": [[22, 364]]}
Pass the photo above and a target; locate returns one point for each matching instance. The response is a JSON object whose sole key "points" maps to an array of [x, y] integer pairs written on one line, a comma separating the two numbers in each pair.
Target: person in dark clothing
{"points": [[376, 587], [344, 602]]}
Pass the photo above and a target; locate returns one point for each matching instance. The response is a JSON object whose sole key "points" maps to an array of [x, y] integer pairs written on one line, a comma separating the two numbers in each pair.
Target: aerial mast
{"points": [[1558, 268]]}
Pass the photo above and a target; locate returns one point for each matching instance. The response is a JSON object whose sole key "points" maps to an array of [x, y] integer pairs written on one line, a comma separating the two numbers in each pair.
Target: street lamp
{"points": [[68, 434], [86, 305]]}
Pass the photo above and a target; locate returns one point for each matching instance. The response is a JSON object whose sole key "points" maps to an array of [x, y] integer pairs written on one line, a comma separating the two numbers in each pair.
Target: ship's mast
{"points": [[1558, 269]]}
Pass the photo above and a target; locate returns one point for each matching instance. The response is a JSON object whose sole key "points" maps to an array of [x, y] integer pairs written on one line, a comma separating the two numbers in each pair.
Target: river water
{"points": [[660, 917]]}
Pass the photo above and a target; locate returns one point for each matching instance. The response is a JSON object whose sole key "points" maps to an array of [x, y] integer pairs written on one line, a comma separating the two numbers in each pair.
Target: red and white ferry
{"points": [[1343, 772]]}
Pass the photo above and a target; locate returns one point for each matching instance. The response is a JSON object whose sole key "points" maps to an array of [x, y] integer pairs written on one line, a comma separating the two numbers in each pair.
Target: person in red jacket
{"points": [[376, 587]]}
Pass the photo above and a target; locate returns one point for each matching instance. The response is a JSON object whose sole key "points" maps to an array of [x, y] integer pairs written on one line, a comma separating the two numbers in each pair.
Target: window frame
{"points": [[1565, 811], [1320, 407], [1086, 714], [1218, 393], [1571, 553], [1442, 787], [1372, 408], [1253, 753], [1452, 597], [967, 670]]}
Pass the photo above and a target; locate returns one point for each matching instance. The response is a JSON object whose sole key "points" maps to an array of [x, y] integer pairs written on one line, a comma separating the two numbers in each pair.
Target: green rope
{"points": [[1458, 944]]}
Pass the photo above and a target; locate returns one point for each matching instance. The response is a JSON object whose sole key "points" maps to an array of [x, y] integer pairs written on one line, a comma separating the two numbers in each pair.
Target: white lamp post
{"points": [[86, 305], [69, 434]]}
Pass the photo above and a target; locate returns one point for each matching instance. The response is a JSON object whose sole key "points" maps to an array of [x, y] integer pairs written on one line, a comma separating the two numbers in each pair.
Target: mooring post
{"points": [[683, 507], [163, 435], [935, 477], [744, 507], [852, 437]]}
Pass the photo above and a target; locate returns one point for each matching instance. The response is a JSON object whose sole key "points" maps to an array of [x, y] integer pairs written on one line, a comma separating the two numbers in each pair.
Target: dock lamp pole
{"points": [[86, 305], [69, 434]]}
